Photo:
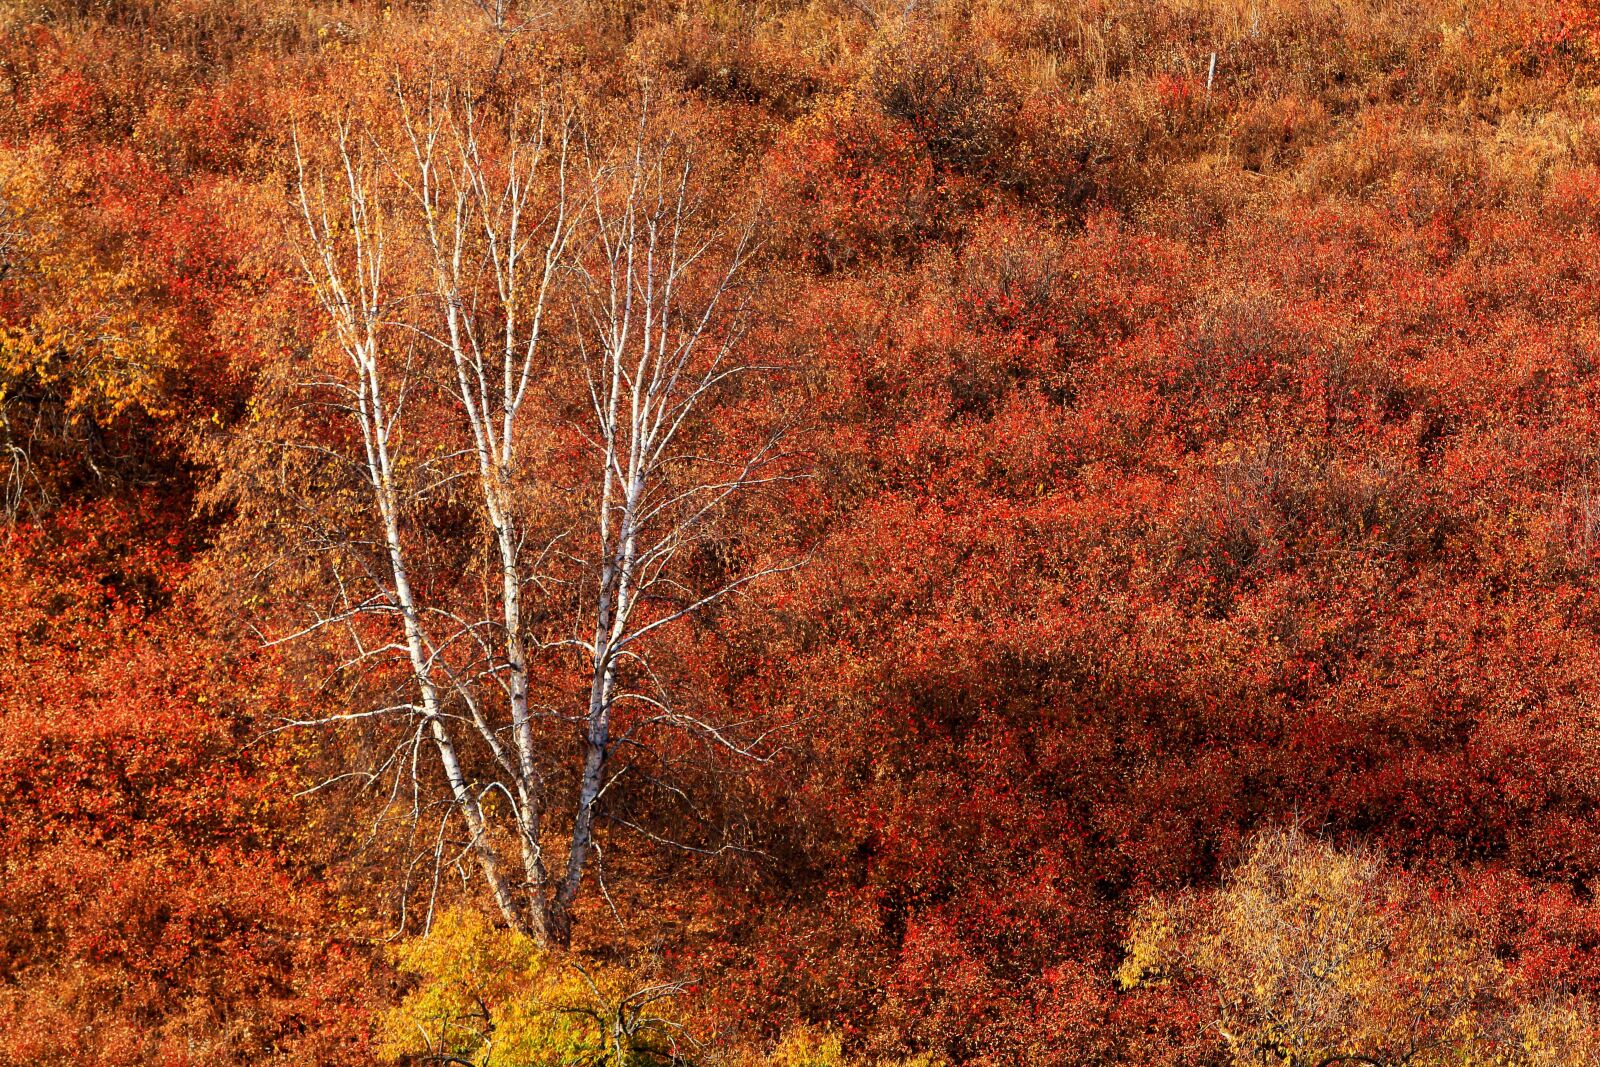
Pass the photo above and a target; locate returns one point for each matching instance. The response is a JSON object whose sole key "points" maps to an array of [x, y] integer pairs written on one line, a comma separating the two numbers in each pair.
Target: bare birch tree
{"points": [[472, 274]]}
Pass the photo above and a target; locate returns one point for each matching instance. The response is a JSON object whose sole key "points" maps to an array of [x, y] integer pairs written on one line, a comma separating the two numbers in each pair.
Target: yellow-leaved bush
{"points": [[491, 997], [803, 1047], [87, 333], [87, 315], [485, 996], [1310, 955]]}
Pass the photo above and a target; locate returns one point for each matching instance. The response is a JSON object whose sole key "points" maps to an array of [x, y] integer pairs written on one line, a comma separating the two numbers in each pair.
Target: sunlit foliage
{"points": [[1312, 955], [1201, 398], [493, 998]]}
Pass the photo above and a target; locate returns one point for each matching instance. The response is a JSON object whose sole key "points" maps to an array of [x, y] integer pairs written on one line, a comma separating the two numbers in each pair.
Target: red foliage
{"points": [[1147, 547], [1189, 460], [153, 907], [849, 184]]}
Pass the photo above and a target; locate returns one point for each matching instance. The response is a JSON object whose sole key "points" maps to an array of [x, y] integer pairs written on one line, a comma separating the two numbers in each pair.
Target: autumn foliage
{"points": [[1189, 416]]}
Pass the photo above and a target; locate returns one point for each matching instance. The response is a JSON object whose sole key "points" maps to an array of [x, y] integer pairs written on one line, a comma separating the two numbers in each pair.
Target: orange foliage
{"points": [[1202, 398]]}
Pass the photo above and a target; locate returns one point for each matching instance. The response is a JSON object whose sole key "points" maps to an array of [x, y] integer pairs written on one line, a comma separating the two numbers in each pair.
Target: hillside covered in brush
{"points": [[800, 532]]}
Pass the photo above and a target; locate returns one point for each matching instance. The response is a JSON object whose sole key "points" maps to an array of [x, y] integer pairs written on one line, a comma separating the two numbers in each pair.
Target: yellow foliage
{"points": [[1559, 1034], [492, 998], [1311, 953], [81, 322], [806, 1047]]}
